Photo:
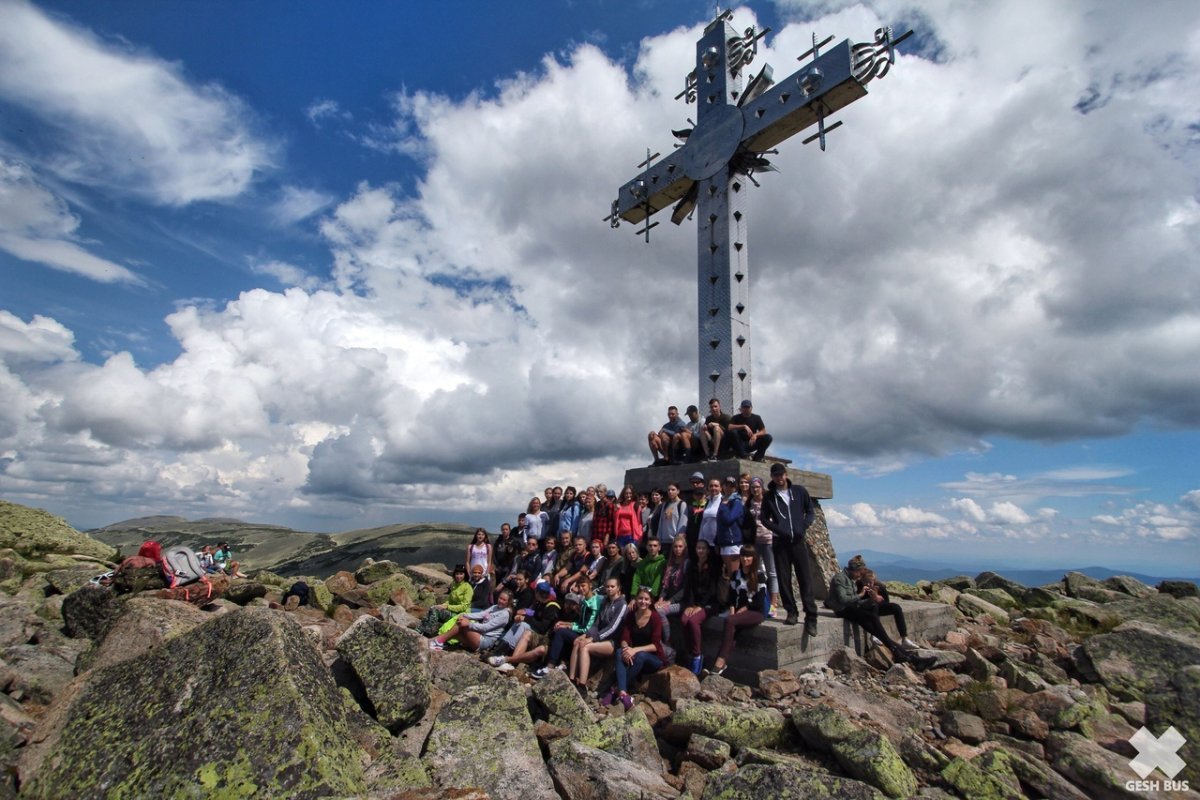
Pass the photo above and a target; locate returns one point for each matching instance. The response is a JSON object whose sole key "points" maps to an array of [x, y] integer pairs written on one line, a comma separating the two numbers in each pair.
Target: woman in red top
{"points": [[627, 519], [641, 648]]}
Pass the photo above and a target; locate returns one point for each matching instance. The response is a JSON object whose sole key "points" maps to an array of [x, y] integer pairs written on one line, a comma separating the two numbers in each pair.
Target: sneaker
{"points": [[875, 640], [434, 644], [716, 671], [626, 701], [607, 700], [505, 667], [496, 661], [560, 667], [697, 665], [712, 458], [539, 673], [909, 643]]}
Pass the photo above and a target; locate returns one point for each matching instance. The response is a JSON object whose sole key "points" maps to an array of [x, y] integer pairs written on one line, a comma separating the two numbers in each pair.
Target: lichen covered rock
{"points": [[393, 665], [561, 701], [587, 773], [483, 737], [242, 706], [141, 624], [758, 782], [740, 727], [626, 735], [1138, 657], [35, 534]]}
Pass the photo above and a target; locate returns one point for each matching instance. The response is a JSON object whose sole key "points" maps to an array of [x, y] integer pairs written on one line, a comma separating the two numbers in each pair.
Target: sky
{"points": [[338, 266]]}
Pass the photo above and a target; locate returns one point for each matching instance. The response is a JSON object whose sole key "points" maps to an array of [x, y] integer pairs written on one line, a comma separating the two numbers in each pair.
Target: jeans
{"points": [[561, 638], [642, 662]]}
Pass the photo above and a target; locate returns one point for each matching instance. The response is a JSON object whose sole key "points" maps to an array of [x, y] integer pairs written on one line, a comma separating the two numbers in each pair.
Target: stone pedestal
{"points": [[822, 560], [773, 645]]}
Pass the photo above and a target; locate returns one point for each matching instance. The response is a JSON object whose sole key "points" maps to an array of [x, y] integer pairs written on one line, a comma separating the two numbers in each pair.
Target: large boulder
{"points": [[1138, 656], [974, 606], [777, 782], [35, 534], [393, 665], [19, 621], [740, 727], [1174, 704], [1160, 609], [483, 737], [627, 735], [864, 754], [561, 701], [372, 571], [822, 559], [1100, 773], [241, 706], [88, 612], [67, 580], [142, 624], [587, 773]]}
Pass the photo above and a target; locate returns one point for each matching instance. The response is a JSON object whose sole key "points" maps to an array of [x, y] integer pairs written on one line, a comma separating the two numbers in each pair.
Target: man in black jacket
{"points": [[787, 512]]}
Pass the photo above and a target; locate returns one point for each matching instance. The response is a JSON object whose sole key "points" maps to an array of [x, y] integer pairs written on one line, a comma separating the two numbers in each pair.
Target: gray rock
{"points": [[456, 672], [959, 582], [65, 581], [393, 665], [142, 624], [997, 597], [992, 580], [627, 735], [758, 782], [1082, 587], [483, 737], [1175, 704], [242, 592], [146, 727], [1179, 588], [395, 615], [708, 753], [376, 571], [870, 757], [847, 662], [821, 727], [561, 701], [1128, 585], [1160, 609], [1138, 656], [587, 773], [974, 606], [971, 781], [1100, 773], [740, 727], [967, 727], [1040, 780], [87, 612]]}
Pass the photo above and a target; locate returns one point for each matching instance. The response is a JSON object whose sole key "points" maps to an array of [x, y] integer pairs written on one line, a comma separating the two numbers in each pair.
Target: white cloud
{"points": [[969, 508], [296, 203], [37, 226], [287, 274], [323, 109], [1007, 513], [123, 119], [907, 515]]}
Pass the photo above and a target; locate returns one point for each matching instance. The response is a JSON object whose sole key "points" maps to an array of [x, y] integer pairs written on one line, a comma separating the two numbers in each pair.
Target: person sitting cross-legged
{"points": [[641, 648]]}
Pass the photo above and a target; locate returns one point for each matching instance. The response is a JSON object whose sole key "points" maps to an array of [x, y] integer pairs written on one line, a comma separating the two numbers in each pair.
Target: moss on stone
{"points": [[740, 727], [870, 757], [35, 534], [970, 781], [380, 592]]}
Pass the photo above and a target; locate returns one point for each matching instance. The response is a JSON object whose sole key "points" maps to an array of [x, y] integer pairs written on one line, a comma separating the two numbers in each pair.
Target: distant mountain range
{"points": [[890, 566], [290, 552]]}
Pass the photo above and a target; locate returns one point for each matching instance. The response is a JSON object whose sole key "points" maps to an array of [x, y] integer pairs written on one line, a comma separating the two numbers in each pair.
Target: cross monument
{"points": [[737, 125]]}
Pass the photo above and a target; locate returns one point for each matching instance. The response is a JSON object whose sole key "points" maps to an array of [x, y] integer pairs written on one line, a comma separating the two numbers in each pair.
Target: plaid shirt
{"points": [[604, 523]]}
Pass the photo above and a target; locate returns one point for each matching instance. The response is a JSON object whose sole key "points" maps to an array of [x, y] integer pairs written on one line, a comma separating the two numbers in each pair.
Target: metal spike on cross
{"points": [[733, 132]]}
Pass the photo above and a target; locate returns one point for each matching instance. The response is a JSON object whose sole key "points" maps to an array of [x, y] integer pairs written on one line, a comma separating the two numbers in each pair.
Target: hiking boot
{"points": [[810, 626], [608, 698], [697, 665], [792, 618]]}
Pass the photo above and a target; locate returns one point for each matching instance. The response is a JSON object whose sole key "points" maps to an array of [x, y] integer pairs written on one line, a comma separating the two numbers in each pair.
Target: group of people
{"points": [[594, 575], [719, 435]]}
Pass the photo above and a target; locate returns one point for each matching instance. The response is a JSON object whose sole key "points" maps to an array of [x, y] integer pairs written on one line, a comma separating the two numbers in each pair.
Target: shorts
{"points": [[731, 550]]}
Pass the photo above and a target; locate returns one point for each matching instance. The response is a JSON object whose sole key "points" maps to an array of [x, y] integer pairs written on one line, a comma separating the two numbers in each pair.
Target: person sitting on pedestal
{"points": [[860, 603], [715, 426], [663, 442], [747, 434], [693, 441]]}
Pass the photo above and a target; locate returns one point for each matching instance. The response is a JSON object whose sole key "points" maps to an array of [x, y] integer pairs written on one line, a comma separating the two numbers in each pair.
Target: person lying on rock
{"points": [[701, 599], [458, 602], [525, 640], [641, 648], [599, 639], [749, 601], [479, 630], [860, 602]]}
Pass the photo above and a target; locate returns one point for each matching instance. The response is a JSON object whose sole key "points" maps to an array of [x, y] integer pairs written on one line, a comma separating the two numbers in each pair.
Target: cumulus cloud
{"points": [[296, 203], [954, 267], [124, 119], [36, 225]]}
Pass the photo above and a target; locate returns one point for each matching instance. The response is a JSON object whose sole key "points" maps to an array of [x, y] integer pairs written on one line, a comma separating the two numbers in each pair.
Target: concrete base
{"points": [[643, 479], [773, 645]]}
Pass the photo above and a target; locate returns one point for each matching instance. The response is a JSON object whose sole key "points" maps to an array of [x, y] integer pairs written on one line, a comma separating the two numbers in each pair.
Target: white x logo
{"points": [[1158, 752]]}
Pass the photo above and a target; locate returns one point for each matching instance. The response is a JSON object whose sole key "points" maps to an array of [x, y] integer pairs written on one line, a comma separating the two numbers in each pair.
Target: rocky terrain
{"points": [[1035, 693]]}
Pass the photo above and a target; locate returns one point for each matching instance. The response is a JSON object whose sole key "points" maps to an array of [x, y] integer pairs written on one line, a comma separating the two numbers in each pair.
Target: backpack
{"points": [[182, 567]]}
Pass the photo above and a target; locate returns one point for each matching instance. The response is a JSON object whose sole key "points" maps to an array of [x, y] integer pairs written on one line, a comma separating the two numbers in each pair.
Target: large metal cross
{"points": [[734, 129]]}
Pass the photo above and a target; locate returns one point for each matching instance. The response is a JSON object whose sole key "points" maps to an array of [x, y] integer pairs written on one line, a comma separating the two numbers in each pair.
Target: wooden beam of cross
{"points": [[734, 130]]}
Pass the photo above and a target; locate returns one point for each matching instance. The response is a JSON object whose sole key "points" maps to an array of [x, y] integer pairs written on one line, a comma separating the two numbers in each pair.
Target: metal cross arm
{"points": [[660, 185]]}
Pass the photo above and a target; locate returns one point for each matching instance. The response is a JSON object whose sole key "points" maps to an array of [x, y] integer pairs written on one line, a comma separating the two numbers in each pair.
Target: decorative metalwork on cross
{"points": [[735, 129]]}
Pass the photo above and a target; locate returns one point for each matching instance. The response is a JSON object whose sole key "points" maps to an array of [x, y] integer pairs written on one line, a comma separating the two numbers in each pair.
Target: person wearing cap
{"points": [[693, 441], [458, 602], [579, 614], [715, 425], [747, 434], [860, 602], [697, 499], [788, 511]]}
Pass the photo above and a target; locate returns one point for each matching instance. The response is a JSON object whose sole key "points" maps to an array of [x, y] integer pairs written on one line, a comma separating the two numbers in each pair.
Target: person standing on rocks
{"points": [[861, 605], [788, 511]]}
